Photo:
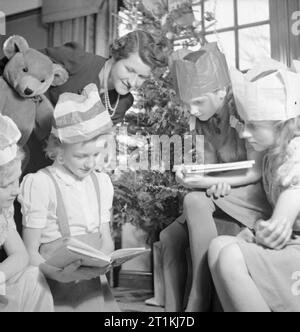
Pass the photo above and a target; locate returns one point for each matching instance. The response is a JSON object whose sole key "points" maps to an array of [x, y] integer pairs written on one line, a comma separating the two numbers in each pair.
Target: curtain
{"points": [[92, 23]]}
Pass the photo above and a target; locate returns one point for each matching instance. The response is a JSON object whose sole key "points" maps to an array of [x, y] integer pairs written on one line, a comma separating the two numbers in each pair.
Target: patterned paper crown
{"points": [[269, 92], [9, 137], [200, 72], [78, 118]]}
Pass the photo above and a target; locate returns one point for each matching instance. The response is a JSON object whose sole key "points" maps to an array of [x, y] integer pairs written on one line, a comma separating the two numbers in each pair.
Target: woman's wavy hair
{"points": [[150, 51], [285, 132], [233, 148]]}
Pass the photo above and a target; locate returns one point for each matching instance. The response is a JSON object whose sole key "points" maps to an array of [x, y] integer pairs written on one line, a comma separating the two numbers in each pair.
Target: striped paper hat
{"points": [[79, 118], [9, 137]]}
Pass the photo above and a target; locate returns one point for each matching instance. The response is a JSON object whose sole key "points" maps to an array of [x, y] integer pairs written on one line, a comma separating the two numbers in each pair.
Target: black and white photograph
{"points": [[149, 158]]}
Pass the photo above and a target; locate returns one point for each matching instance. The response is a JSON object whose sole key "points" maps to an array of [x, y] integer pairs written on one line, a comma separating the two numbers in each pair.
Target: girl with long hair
{"points": [[259, 273]]}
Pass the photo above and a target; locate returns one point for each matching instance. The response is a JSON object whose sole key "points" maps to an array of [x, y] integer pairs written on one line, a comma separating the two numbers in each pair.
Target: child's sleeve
{"points": [[106, 195], [289, 172], [35, 199]]}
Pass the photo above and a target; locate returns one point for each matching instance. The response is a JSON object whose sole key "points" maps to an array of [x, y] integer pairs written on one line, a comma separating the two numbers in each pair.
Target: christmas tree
{"points": [[151, 199]]}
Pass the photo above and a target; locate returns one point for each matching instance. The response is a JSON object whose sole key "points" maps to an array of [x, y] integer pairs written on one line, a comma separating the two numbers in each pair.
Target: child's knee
{"points": [[230, 263], [197, 200], [215, 248]]}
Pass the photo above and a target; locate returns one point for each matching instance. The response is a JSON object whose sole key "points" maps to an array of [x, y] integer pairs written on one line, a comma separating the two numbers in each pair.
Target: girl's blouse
{"points": [[6, 223], [287, 176], [39, 202]]}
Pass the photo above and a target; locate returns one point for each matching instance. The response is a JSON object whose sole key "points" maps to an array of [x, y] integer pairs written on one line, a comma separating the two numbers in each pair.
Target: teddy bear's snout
{"points": [[28, 86], [28, 92]]}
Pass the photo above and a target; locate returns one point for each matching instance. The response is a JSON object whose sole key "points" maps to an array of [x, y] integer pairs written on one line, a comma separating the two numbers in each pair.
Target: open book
{"points": [[212, 168], [74, 250]]}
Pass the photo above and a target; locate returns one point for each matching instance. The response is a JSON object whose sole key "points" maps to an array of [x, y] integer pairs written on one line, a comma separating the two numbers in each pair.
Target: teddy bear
{"points": [[27, 75]]}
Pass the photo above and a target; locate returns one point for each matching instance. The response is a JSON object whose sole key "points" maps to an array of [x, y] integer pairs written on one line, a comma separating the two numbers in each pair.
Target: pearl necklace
{"points": [[108, 104], [106, 95]]}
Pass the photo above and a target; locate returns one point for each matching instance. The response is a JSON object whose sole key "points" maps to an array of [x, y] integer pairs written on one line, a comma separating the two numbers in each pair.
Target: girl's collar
{"points": [[64, 174]]}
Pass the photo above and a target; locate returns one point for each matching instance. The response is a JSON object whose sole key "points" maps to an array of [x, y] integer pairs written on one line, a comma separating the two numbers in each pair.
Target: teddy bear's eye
{"points": [[43, 81], [25, 70]]}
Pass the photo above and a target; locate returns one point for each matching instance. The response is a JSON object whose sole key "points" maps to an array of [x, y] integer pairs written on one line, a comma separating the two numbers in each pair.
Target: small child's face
{"points": [[260, 134], [10, 187], [81, 159], [206, 106]]}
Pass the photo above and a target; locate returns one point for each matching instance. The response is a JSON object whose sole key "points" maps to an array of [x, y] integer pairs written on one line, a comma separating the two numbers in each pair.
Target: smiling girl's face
{"points": [[206, 106], [81, 158]]}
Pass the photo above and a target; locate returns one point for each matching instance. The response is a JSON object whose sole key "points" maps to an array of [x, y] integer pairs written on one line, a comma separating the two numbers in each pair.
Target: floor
{"points": [[131, 300]]}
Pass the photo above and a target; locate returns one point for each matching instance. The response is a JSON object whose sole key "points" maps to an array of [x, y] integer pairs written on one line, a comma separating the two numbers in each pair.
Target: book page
{"points": [[85, 249], [92, 254], [212, 168], [73, 250], [121, 256]]}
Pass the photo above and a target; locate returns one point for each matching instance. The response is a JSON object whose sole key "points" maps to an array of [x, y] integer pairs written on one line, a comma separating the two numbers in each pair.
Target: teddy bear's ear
{"points": [[14, 45], [61, 75]]}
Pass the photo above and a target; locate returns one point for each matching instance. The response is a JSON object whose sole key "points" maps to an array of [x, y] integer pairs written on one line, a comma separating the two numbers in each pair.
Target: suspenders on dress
{"points": [[86, 295], [61, 213]]}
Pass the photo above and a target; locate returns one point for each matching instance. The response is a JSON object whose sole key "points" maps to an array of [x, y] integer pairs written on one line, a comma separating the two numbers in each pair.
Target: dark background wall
{"points": [[28, 25]]}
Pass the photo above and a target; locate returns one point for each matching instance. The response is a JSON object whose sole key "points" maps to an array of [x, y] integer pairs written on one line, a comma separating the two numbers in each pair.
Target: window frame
{"points": [[236, 28]]}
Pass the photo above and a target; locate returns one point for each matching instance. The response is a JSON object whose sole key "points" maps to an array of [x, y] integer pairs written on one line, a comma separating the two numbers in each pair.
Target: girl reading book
{"points": [[69, 199], [203, 84], [260, 273], [21, 288]]}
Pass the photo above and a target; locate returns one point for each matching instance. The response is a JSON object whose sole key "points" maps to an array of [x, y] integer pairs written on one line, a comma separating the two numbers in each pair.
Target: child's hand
{"points": [[92, 272], [73, 272], [188, 180], [273, 234], [219, 190], [61, 275]]}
